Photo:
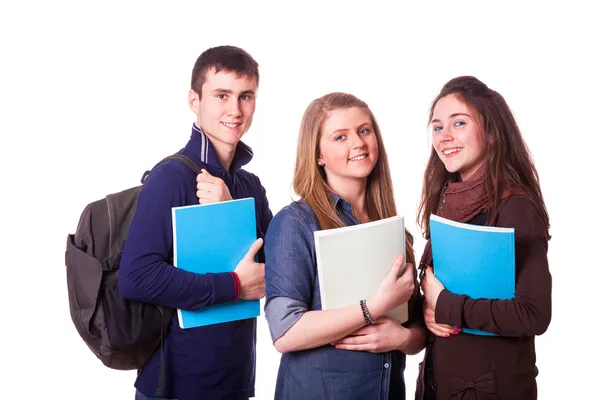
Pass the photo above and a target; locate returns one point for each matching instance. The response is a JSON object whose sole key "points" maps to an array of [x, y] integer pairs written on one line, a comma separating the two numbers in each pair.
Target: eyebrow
{"points": [[452, 116], [338, 131], [229, 91], [346, 129]]}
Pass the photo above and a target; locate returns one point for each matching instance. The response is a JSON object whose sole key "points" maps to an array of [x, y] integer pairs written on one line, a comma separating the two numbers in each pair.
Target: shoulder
{"points": [[297, 211], [519, 212], [518, 206], [169, 179], [252, 179], [296, 216]]}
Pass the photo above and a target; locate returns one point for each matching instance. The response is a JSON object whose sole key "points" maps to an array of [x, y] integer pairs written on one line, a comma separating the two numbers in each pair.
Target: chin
{"points": [[451, 168], [230, 138], [363, 174]]}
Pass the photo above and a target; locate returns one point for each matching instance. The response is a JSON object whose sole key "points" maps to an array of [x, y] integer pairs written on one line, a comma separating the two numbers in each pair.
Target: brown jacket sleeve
{"points": [[529, 313]]}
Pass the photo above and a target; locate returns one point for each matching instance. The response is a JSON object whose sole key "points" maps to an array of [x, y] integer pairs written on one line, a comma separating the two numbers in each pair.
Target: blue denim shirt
{"points": [[292, 288]]}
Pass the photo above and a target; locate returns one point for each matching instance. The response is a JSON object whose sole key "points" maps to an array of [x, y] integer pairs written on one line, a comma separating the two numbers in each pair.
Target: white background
{"points": [[92, 94]]}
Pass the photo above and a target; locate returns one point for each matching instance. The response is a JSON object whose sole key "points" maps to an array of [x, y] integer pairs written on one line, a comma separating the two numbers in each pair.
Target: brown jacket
{"points": [[466, 366]]}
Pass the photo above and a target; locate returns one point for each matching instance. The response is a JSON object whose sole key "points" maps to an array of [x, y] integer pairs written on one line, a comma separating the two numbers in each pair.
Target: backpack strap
{"points": [[178, 157]]}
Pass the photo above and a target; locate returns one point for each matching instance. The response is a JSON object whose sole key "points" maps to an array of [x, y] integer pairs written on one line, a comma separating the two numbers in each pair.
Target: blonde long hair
{"points": [[309, 178]]}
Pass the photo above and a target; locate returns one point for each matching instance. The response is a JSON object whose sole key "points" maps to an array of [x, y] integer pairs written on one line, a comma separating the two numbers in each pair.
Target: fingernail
{"points": [[447, 335], [456, 332]]}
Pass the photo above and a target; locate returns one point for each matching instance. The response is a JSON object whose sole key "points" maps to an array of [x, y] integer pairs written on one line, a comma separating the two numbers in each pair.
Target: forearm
{"points": [[162, 284], [515, 317], [320, 327]]}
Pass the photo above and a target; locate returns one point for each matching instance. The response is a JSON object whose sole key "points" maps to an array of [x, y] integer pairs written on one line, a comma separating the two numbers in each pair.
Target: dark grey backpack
{"points": [[122, 334]]}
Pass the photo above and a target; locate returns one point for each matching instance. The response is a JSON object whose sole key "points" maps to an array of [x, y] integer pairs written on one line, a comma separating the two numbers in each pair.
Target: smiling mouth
{"points": [[231, 124], [358, 158], [454, 150]]}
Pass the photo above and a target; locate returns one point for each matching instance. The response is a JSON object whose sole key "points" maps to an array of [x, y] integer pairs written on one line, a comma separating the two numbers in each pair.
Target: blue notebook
{"points": [[214, 238], [475, 260]]}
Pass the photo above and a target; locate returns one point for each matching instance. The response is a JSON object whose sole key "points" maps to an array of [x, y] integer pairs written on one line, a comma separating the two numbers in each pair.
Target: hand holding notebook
{"points": [[395, 289], [251, 274]]}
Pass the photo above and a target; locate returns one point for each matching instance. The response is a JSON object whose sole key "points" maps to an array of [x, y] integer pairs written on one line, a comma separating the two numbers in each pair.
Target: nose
{"points": [[233, 107], [357, 141], [444, 136]]}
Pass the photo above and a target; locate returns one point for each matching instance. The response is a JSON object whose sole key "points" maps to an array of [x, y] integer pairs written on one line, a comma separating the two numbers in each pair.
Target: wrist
{"points": [[404, 338], [434, 300], [369, 320], [376, 308], [237, 286]]}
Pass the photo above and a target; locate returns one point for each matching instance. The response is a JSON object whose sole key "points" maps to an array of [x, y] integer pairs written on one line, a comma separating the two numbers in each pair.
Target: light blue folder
{"points": [[478, 261], [212, 238]]}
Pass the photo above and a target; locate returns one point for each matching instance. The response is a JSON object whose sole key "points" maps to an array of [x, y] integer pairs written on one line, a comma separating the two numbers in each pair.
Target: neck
{"points": [[474, 173], [225, 151], [354, 191]]}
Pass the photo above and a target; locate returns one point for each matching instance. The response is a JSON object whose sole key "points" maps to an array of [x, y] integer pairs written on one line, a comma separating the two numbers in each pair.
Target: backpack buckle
{"points": [[113, 262], [144, 177]]}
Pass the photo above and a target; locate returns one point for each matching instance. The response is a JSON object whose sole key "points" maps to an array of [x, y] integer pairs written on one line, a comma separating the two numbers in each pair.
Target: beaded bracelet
{"points": [[368, 319]]}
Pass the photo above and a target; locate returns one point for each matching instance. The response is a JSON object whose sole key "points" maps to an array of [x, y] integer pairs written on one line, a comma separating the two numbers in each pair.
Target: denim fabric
{"points": [[292, 288]]}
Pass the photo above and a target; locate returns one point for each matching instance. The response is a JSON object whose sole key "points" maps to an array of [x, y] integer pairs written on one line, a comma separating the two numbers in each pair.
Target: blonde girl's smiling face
{"points": [[348, 145]]}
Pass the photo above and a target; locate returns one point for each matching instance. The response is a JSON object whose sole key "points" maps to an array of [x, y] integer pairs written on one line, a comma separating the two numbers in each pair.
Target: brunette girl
{"points": [[480, 172]]}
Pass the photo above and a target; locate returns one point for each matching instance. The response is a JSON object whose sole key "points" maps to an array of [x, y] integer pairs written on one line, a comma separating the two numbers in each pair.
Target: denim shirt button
{"points": [[386, 365]]}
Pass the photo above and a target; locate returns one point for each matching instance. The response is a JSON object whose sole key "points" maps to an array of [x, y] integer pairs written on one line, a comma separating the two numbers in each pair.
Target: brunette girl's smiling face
{"points": [[457, 136]]}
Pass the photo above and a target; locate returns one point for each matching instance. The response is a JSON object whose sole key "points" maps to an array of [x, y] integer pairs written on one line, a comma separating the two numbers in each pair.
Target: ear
{"points": [[194, 101], [321, 162]]}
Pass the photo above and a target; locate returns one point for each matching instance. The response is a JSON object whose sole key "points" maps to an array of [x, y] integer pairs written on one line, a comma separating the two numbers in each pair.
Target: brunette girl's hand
{"points": [[441, 330], [432, 288]]}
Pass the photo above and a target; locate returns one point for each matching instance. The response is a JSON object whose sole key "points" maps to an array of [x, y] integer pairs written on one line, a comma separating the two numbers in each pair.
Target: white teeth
{"points": [[358, 158], [450, 151], [230, 124]]}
